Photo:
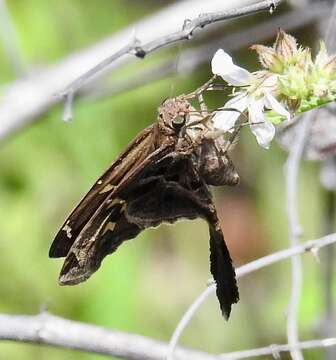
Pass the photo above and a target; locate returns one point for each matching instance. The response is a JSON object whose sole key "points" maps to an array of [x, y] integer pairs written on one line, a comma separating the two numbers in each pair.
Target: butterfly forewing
{"points": [[130, 159]]}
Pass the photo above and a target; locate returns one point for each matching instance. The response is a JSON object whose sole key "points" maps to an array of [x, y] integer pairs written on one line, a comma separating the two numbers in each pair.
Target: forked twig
{"points": [[55, 331], [312, 245]]}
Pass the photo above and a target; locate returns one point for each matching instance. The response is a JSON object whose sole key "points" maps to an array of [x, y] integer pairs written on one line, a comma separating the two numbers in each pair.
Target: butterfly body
{"points": [[162, 176]]}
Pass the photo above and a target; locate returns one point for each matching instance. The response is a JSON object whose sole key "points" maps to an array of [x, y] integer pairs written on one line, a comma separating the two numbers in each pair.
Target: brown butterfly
{"points": [[162, 176]]}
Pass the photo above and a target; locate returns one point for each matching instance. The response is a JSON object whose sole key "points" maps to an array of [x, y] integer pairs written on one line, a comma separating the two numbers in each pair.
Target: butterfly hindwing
{"points": [[187, 197], [100, 237]]}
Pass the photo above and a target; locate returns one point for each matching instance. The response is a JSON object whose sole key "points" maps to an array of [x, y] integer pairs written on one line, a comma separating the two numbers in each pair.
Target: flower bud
{"points": [[268, 58], [293, 104], [285, 46]]}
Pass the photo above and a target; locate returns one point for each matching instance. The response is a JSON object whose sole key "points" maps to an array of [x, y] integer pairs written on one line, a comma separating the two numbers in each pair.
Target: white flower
{"points": [[223, 66], [255, 102], [262, 129]]}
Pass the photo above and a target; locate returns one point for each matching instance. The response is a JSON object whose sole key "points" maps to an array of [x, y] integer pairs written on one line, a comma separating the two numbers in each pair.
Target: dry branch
{"points": [[242, 271], [135, 47], [51, 330], [25, 100], [189, 60]]}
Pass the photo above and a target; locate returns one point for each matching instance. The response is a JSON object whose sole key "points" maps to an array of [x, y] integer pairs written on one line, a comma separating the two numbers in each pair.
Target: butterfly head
{"points": [[174, 113]]}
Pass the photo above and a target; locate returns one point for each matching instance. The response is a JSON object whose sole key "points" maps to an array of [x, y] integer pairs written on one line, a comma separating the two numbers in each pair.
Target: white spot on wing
{"points": [[107, 188], [68, 230]]}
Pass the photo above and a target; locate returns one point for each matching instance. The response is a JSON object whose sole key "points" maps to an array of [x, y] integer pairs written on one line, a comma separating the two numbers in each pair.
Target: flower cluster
{"points": [[289, 83]]}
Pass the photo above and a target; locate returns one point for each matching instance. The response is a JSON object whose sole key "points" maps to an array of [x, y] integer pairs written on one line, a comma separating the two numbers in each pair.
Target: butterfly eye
{"points": [[178, 122]]}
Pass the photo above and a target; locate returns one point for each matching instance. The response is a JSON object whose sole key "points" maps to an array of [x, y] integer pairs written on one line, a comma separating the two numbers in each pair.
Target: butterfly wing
{"points": [[94, 242], [107, 227], [178, 194], [152, 189], [134, 155]]}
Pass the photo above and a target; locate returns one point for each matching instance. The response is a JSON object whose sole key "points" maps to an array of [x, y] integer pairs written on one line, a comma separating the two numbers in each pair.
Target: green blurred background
{"points": [[148, 283]]}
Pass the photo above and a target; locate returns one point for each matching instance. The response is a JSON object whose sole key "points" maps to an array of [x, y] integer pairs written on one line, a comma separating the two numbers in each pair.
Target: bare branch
{"points": [[69, 92], [23, 101], [52, 330], [191, 59], [55, 331], [186, 33], [242, 271]]}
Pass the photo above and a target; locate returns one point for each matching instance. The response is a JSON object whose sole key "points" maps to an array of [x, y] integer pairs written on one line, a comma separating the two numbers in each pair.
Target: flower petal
{"points": [[272, 103], [256, 111], [226, 119], [223, 66], [262, 129], [264, 133], [270, 81], [239, 102]]}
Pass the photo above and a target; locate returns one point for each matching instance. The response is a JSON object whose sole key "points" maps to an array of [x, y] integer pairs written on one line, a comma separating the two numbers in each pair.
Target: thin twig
{"points": [[242, 271], [294, 229], [186, 33], [275, 350]]}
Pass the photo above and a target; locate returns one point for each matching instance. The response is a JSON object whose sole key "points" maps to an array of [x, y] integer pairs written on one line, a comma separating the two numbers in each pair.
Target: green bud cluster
{"points": [[302, 83]]}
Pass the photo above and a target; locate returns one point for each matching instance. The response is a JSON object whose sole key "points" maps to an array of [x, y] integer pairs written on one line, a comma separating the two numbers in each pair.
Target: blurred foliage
{"points": [[46, 168]]}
